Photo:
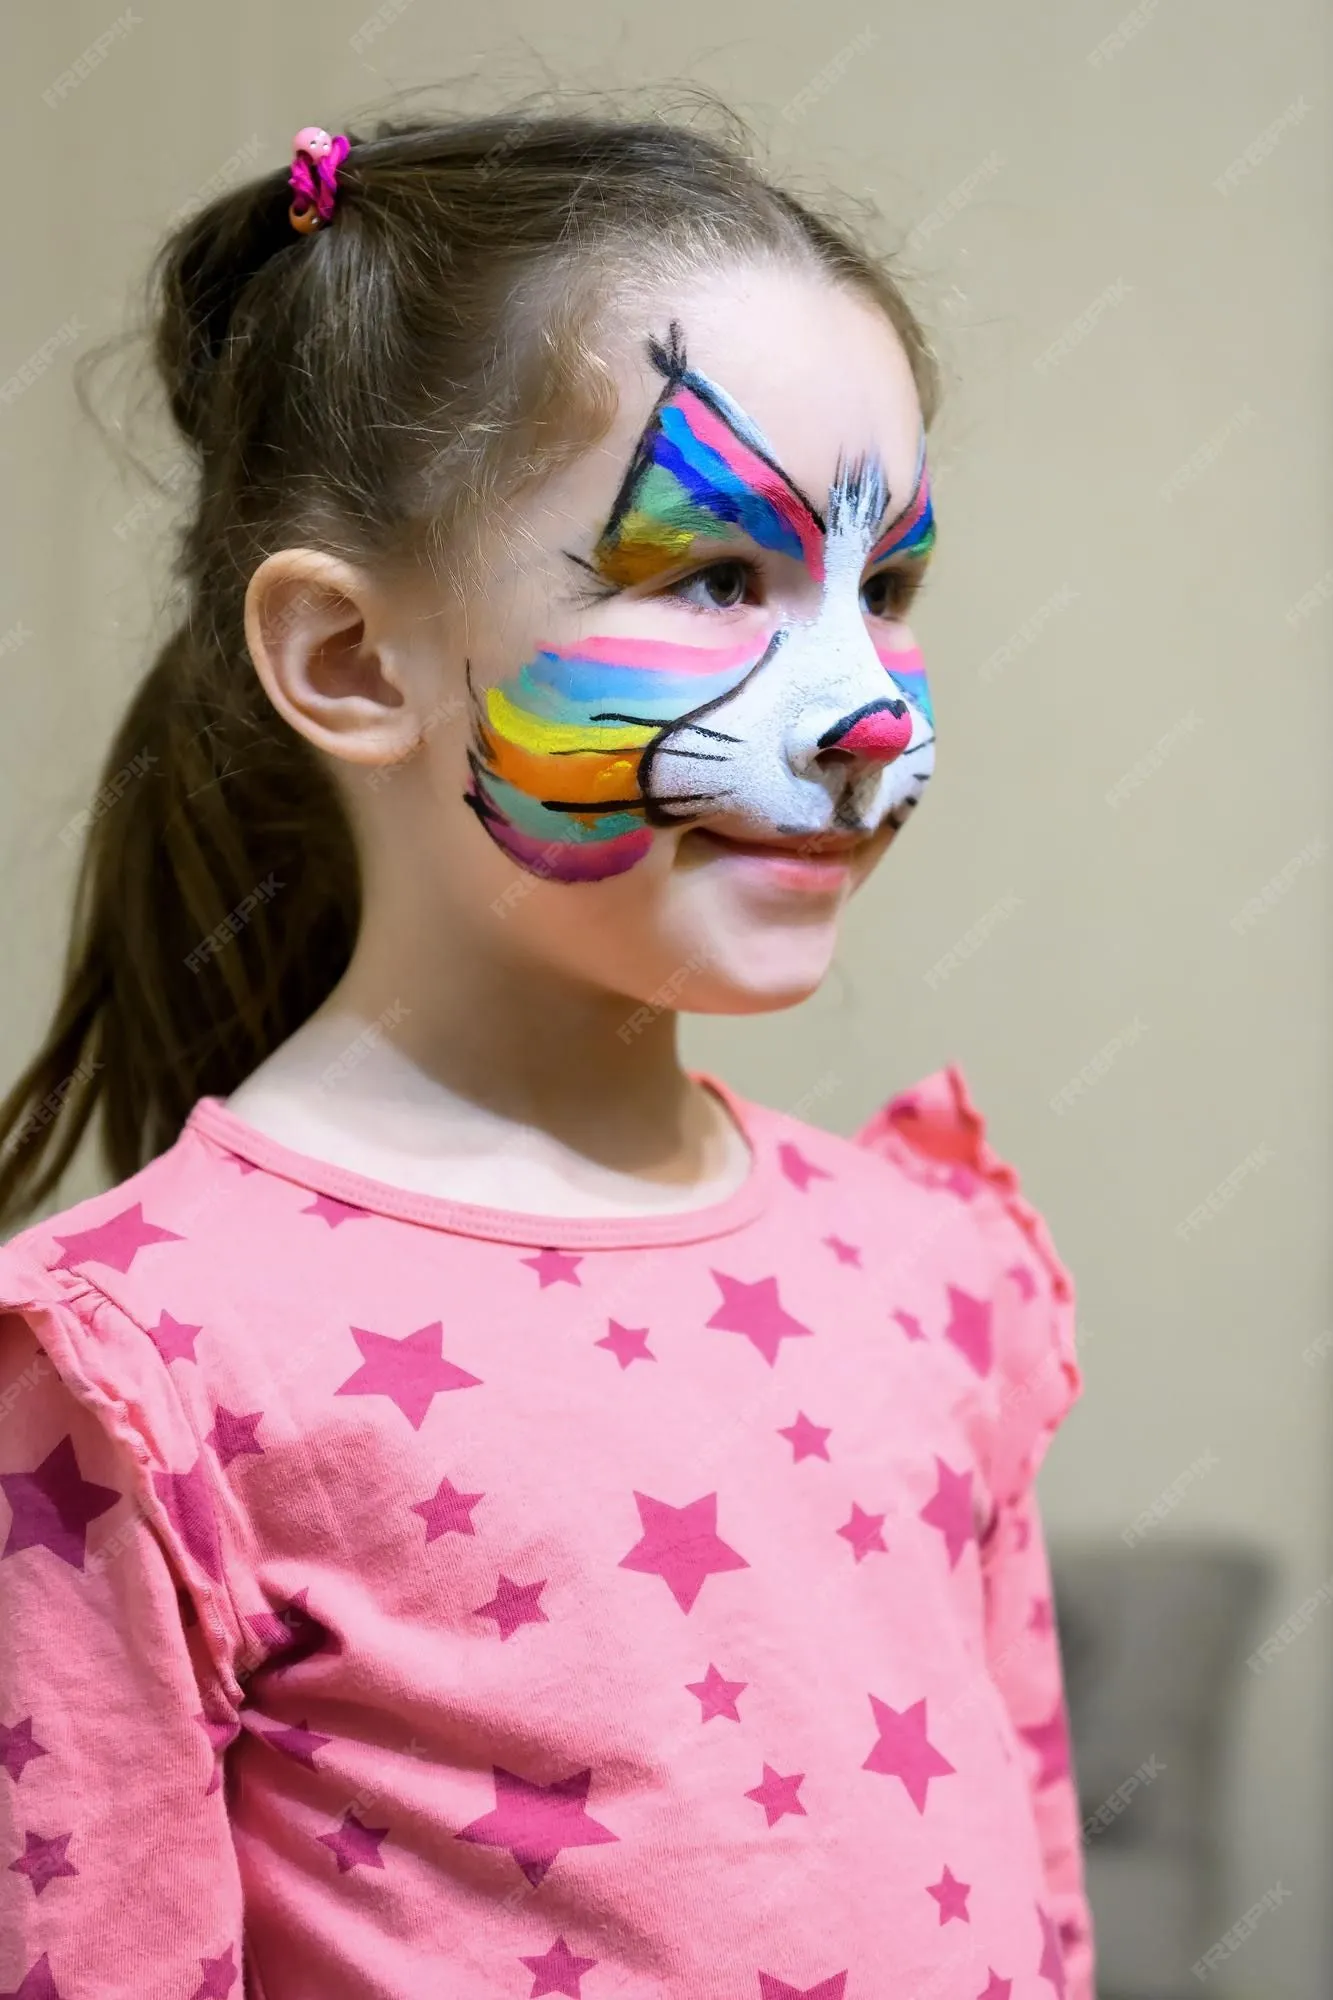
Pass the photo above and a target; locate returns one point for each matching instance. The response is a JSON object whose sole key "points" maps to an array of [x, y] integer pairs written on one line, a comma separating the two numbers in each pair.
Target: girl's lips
{"points": [[800, 868]]}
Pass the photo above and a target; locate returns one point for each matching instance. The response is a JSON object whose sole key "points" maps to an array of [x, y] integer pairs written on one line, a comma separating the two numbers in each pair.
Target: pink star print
{"points": [[716, 1695], [1022, 1531], [681, 1545], [557, 1971], [37, 1983], [233, 1436], [969, 1328], [951, 1895], [910, 1325], [411, 1372], [447, 1512], [863, 1532], [116, 1242], [1042, 1616], [554, 1267], [777, 1794], [514, 1604], [772, 1988], [189, 1508], [18, 1748], [536, 1821], [950, 1509], [53, 1506], [331, 1210], [43, 1860], [996, 1988], [298, 1741], [627, 1343], [805, 1438], [292, 1634], [1052, 1965], [904, 1750], [220, 1975], [355, 1845], [846, 1253], [173, 1339], [800, 1171], [1050, 1740], [1023, 1278], [755, 1311], [219, 1735]]}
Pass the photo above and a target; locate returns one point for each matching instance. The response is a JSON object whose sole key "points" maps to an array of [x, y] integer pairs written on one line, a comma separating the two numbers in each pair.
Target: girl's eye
{"points": [[890, 592], [716, 588]]}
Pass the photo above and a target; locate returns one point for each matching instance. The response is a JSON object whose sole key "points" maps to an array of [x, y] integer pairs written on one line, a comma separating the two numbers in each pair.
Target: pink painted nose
{"points": [[878, 734]]}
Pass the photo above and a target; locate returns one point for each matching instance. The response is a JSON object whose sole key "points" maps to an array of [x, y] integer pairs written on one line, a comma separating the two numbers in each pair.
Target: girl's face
{"points": [[693, 712]]}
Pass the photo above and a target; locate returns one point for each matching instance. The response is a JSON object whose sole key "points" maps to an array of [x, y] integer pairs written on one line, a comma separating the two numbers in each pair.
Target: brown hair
{"points": [[369, 389]]}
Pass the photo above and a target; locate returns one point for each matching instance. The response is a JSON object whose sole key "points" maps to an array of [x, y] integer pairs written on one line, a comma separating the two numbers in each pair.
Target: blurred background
{"points": [[1112, 912]]}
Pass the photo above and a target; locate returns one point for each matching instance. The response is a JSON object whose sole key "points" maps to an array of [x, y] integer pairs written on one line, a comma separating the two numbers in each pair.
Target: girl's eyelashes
{"points": [[719, 586], [890, 593]]}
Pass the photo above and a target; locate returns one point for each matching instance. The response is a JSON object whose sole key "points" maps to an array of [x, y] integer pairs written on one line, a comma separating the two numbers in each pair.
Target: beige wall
{"points": [[1131, 488]]}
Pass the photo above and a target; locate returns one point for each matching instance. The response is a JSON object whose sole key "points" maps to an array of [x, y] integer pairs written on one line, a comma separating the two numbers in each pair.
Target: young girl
{"points": [[487, 1511]]}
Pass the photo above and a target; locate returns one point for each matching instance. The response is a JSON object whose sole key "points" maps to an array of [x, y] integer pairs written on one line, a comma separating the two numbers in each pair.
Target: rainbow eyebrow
{"points": [[700, 470], [912, 533]]}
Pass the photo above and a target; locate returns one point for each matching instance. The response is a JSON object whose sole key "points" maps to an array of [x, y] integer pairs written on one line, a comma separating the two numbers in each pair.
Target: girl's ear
{"points": [[311, 624]]}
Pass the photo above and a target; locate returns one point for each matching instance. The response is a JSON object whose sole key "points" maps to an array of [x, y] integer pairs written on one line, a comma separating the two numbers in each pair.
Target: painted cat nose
{"points": [[879, 732]]}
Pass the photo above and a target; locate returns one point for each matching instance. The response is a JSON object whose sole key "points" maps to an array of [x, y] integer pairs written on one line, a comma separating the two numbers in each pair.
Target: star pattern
{"points": [[627, 1343], [950, 1509], [799, 1170], [514, 1604], [951, 1895], [554, 1267], [1041, 1618], [219, 1976], [756, 1311], [910, 1325], [905, 1751], [773, 1988], [233, 1436], [43, 1860], [1052, 1965], [220, 1735], [329, 1209], [115, 1242], [996, 1988], [863, 1531], [777, 1794], [297, 1740], [292, 1634], [54, 1506], [1050, 1740], [173, 1339], [536, 1822], [189, 1507], [447, 1512], [681, 1545], [37, 1983], [806, 1439], [18, 1747], [411, 1372], [1023, 1278], [846, 1253], [557, 1971], [717, 1696], [969, 1328], [354, 1844]]}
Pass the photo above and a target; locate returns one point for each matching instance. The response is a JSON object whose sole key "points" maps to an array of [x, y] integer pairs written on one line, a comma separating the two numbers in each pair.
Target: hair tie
{"points": [[316, 159]]}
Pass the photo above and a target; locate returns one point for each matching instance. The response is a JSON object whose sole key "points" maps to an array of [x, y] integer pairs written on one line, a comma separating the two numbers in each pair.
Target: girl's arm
{"points": [[117, 1871], [1023, 1655]]}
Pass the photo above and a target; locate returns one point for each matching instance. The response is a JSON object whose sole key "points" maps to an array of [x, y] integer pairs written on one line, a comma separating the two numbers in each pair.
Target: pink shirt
{"points": [[403, 1598]]}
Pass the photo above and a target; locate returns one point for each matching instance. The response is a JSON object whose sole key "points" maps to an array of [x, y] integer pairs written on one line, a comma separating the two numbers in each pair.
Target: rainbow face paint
{"points": [[588, 747]]}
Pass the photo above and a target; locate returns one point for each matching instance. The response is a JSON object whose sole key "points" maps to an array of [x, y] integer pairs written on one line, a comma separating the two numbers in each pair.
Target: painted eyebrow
{"points": [[911, 535]]}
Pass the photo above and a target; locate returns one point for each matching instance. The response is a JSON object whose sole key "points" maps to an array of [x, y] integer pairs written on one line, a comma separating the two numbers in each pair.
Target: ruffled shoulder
{"points": [[935, 1133]]}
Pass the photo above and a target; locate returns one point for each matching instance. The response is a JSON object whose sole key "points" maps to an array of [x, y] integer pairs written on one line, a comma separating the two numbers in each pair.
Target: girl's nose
{"points": [[877, 733]]}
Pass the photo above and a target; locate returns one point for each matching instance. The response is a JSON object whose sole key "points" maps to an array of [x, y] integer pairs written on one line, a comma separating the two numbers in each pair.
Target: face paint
{"points": [[588, 747]]}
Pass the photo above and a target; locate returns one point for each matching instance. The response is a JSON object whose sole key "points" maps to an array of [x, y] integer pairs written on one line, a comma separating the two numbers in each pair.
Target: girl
{"points": [[487, 1511]]}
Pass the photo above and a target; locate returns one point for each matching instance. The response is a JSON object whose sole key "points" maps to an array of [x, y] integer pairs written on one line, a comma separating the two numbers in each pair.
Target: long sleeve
{"points": [[1023, 1655], [117, 1873]]}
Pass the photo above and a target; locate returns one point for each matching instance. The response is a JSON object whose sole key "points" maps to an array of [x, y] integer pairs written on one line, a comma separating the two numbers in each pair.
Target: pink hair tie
{"points": [[316, 159]]}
